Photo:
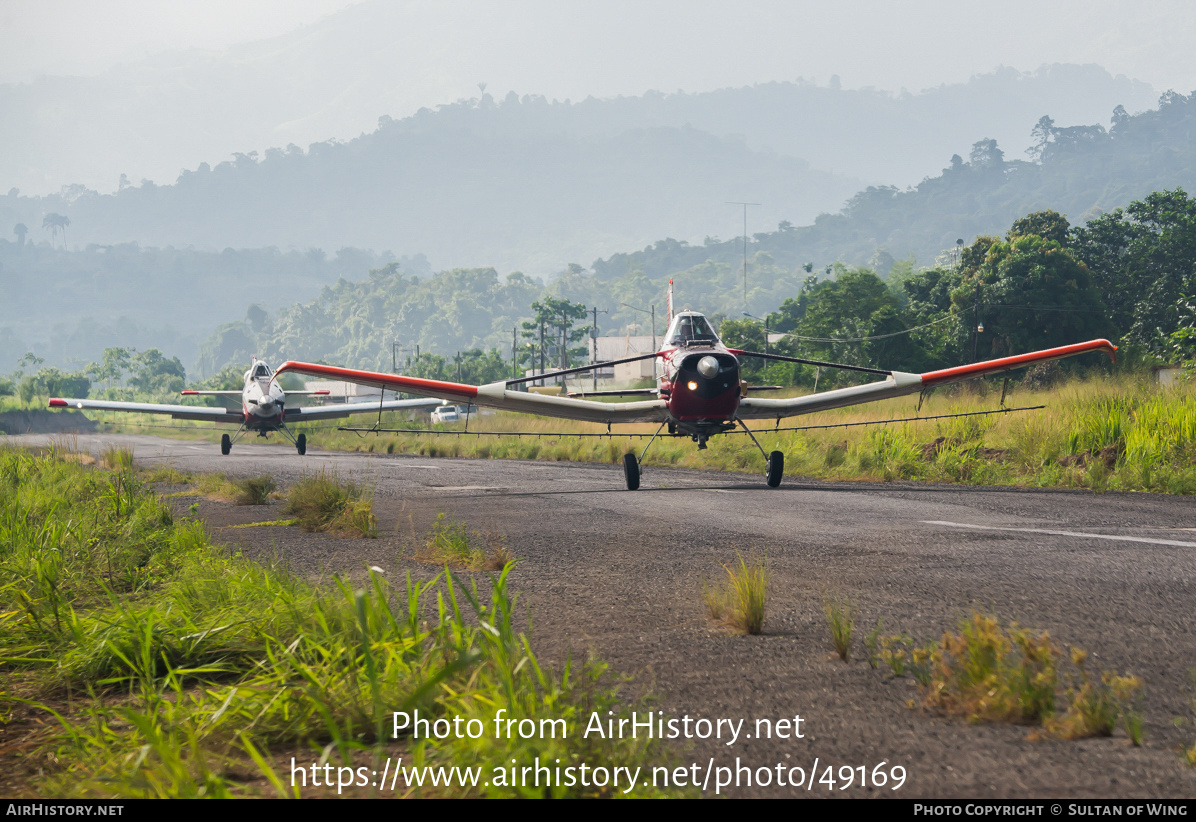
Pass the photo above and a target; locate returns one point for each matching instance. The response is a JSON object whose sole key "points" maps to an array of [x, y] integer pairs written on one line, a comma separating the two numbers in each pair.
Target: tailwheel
{"points": [[776, 468], [301, 444], [631, 471], [226, 444]]}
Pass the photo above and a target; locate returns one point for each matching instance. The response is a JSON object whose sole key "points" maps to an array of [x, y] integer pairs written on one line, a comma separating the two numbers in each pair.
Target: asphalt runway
{"points": [[619, 574]]}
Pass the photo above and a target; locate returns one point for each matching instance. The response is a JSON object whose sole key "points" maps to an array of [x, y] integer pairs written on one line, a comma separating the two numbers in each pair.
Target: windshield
{"points": [[688, 328], [261, 371]]}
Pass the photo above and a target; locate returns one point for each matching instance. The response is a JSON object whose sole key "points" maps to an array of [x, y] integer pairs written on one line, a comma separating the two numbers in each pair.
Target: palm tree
{"points": [[56, 223], [20, 230]]}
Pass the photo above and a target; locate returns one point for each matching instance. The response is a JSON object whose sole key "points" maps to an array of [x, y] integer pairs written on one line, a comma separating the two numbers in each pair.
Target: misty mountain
{"points": [[1081, 171], [525, 183], [65, 304], [333, 79], [453, 193]]}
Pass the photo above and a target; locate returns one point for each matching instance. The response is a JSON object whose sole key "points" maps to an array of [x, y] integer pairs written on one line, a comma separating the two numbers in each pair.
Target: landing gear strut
{"points": [[774, 463], [631, 465], [300, 441]]}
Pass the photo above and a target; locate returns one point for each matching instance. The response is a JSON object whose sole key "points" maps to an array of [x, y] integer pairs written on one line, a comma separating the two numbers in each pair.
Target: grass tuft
{"points": [[254, 490], [117, 458], [452, 543], [986, 672], [739, 602], [323, 503], [840, 615], [989, 674], [168, 475]]}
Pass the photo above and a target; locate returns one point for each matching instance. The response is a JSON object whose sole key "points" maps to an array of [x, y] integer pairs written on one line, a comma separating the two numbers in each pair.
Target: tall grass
{"points": [[217, 666], [1105, 433]]}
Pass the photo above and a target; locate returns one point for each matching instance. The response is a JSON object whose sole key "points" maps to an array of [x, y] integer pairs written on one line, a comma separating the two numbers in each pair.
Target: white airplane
{"points": [[263, 408]]}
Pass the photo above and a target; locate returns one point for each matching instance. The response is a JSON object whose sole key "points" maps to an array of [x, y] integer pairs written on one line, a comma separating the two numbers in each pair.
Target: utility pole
{"points": [[514, 352], [594, 337], [745, 238], [542, 363], [643, 311], [976, 323]]}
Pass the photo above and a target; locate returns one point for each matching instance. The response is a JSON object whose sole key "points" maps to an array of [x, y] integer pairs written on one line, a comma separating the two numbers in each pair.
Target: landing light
{"points": [[691, 385]]}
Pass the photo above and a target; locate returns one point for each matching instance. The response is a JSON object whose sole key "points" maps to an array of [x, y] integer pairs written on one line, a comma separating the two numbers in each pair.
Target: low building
{"points": [[618, 348], [339, 391]]}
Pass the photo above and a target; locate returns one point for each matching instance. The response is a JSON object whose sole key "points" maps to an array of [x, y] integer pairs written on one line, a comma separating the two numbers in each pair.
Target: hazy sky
{"points": [[620, 47]]}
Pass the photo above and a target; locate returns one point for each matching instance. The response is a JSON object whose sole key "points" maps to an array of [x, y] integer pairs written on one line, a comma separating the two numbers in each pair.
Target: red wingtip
{"points": [[57, 403], [979, 369], [188, 391], [322, 391]]}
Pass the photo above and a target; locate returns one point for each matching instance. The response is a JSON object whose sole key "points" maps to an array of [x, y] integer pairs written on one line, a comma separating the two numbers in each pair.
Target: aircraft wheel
{"points": [[672, 428], [226, 444], [776, 468], [301, 444], [631, 471]]}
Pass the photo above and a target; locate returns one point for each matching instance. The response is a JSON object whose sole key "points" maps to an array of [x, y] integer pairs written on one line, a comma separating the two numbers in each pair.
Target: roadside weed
{"points": [[840, 615], [739, 602]]}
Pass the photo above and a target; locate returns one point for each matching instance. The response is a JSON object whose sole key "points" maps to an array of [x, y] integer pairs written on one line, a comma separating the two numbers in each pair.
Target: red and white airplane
{"points": [[699, 392], [263, 408]]}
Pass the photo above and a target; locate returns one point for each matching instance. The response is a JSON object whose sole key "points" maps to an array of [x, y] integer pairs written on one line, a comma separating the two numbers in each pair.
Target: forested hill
{"points": [[531, 184], [1077, 170], [68, 306], [1080, 171]]}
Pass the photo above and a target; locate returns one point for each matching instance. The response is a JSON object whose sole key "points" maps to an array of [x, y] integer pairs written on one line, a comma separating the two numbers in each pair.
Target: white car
{"points": [[445, 414]]}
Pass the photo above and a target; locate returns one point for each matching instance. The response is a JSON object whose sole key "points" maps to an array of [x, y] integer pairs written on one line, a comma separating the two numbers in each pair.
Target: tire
{"points": [[631, 472], [301, 444], [226, 444], [776, 468]]}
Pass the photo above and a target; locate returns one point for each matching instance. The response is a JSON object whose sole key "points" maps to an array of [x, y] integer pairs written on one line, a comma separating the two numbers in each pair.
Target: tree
{"points": [[986, 155], [1050, 225], [116, 361], [1032, 294], [154, 374], [20, 230], [56, 223], [229, 378], [847, 308], [1143, 261], [50, 382], [553, 324], [1042, 135]]}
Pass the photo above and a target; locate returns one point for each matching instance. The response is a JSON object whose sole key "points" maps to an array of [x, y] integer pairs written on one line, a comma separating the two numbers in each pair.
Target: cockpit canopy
{"points": [[689, 328], [260, 371]]}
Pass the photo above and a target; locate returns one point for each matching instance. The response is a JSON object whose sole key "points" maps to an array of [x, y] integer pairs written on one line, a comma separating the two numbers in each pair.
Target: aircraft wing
{"points": [[899, 383], [329, 412], [178, 412], [494, 395], [195, 392]]}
